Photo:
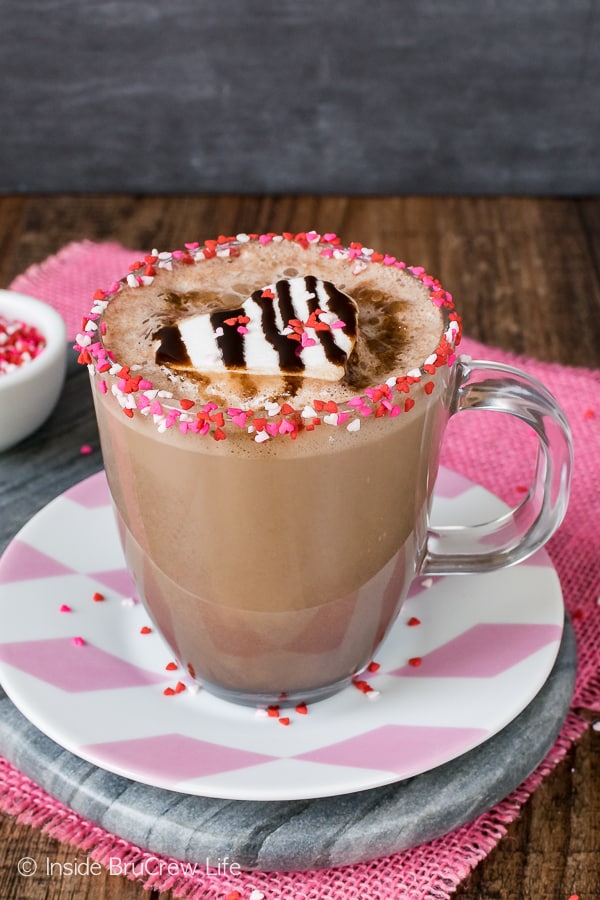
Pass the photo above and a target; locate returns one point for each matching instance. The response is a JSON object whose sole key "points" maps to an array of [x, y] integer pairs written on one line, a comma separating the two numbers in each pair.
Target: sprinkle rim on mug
{"points": [[138, 395]]}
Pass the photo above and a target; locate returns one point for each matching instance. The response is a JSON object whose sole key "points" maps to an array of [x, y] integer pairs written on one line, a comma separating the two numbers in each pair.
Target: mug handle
{"points": [[521, 531]]}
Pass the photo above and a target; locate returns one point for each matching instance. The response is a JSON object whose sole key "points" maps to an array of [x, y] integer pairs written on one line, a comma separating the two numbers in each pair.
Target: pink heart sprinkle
{"points": [[265, 238], [329, 237], [64, 608]]}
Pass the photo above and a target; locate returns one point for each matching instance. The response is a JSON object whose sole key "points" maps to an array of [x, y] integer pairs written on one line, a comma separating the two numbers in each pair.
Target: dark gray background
{"points": [[383, 96]]}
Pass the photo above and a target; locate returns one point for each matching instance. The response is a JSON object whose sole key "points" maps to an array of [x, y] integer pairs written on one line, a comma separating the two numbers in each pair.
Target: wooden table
{"points": [[526, 276]]}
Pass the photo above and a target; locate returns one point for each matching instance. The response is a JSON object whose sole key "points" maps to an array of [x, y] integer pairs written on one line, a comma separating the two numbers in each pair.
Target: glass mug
{"points": [[276, 571]]}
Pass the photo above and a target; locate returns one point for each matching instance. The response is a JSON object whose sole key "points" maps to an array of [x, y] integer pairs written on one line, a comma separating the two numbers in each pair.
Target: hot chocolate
{"points": [[270, 410]]}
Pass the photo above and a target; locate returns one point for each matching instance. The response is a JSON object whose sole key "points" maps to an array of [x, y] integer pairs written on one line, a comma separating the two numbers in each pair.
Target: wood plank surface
{"points": [[525, 274]]}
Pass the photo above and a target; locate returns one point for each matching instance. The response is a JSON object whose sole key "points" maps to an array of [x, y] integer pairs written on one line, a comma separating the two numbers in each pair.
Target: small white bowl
{"points": [[29, 394]]}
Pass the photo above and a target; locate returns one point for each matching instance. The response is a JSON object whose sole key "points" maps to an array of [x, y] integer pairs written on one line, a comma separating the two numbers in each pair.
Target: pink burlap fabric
{"points": [[490, 457]]}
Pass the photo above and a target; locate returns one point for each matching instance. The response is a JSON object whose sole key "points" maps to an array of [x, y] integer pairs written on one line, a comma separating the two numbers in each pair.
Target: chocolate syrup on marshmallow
{"points": [[295, 326]]}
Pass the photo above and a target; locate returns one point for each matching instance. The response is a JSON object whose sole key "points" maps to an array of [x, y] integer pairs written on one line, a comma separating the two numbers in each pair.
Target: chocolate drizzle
{"points": [[172, 351], [230, 342], [289, 358], [339, 304]]}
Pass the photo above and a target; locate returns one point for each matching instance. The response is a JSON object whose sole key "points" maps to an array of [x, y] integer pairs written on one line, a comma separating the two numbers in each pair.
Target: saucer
{"points": [[79, 658]]}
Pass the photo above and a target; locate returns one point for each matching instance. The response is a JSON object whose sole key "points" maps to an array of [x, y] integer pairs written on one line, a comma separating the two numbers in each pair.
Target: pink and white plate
{"points": [[89, 674]]}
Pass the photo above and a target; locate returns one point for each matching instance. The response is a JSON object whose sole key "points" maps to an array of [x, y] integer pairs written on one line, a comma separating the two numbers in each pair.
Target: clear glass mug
{"points": [[279, 573]]}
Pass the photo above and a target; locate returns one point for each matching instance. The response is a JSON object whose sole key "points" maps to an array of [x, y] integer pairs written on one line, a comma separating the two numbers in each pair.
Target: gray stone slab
{"points": [[306, 834]]}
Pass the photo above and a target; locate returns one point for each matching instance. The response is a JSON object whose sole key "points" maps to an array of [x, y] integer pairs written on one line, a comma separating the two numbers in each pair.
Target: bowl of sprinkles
{"points": [[33, 354]]}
